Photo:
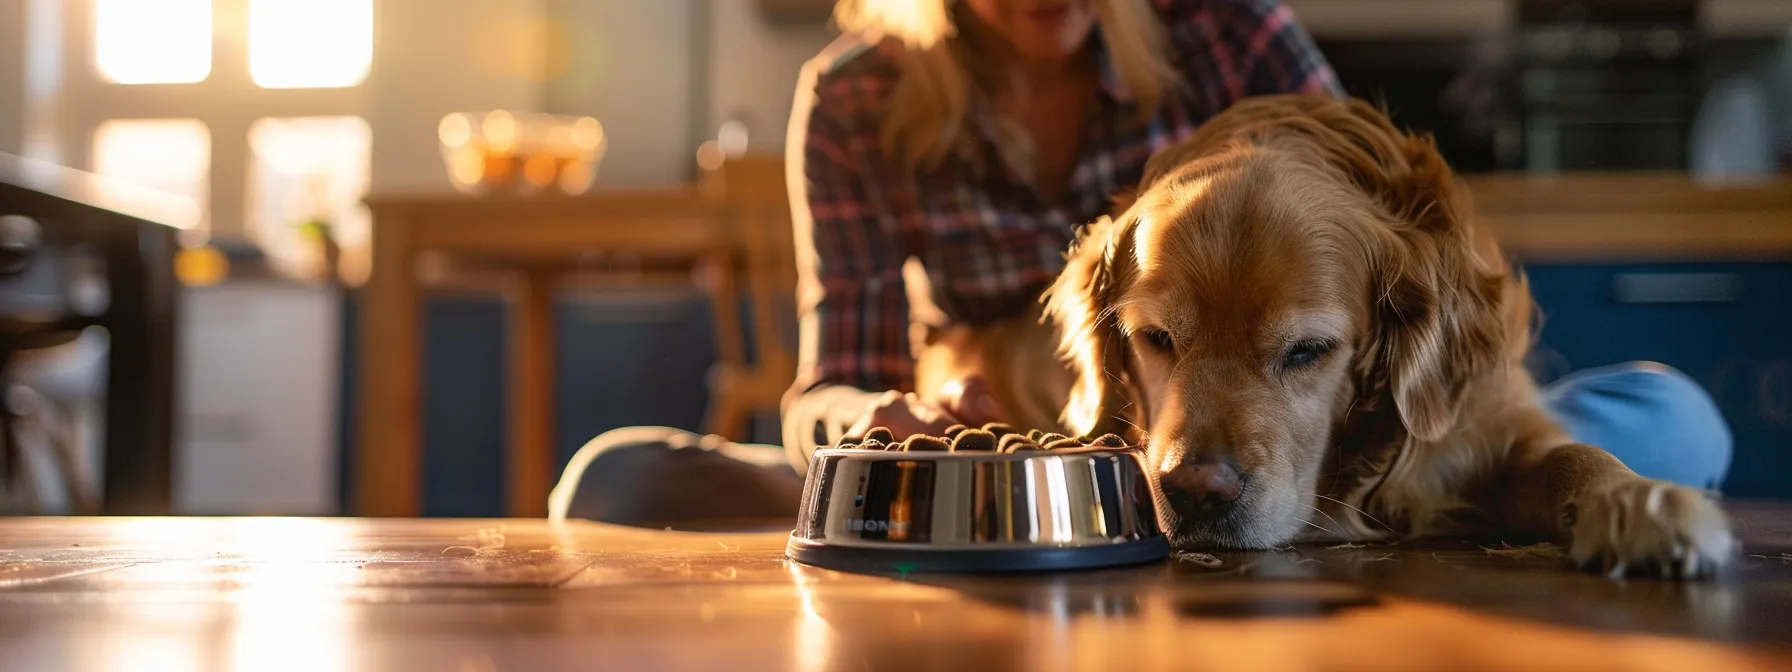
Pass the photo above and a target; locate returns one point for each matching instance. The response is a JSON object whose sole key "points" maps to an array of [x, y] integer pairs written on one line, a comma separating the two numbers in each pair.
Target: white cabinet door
{"points": [[257, 390]]}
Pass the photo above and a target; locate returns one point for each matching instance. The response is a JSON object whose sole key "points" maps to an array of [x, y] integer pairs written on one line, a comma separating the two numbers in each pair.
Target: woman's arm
{"points": [[852, 303], [1277, 54], [1237, 49]]}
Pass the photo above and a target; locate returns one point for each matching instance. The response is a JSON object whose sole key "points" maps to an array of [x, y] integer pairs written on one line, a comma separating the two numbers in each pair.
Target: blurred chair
{"points": [[753, 370], [53, 398], [22, 335]]}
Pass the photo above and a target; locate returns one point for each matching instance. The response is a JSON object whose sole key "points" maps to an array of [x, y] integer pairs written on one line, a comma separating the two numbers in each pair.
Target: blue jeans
{"points": [[1656, 421]]}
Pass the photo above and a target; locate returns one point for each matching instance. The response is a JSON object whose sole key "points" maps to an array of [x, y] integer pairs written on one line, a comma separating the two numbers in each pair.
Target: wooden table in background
{"points": [[495, 595], [538, 237]]}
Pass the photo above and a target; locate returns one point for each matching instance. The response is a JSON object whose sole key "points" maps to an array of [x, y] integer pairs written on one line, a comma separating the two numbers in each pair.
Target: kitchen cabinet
{"points": [[624, 359], [1726, 325], [258, 377]]}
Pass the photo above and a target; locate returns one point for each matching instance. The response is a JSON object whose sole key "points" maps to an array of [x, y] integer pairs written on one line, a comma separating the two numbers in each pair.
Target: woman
{"points": [[972, 136]]}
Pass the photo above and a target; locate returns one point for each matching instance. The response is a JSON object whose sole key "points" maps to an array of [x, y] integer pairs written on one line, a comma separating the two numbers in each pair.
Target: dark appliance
{"points": [[1607, 85], [1459, 89]]}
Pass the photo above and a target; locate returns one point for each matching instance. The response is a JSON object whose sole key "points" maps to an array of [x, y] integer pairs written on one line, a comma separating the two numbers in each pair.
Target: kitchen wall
{"points": [[635, 66], [663, 75], [753, 68], [423, 69]]}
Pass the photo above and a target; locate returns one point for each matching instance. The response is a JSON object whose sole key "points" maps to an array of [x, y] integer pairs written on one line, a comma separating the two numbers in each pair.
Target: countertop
{"points": [[1569, 217], [487, 595], [1636, 217]]}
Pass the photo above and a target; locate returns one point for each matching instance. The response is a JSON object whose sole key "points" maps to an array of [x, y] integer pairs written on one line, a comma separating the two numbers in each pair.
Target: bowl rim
{"points": [[975, 456]]}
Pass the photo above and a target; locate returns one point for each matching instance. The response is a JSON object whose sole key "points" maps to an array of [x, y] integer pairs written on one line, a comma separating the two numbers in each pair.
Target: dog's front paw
{"points": [[1648, 528]]}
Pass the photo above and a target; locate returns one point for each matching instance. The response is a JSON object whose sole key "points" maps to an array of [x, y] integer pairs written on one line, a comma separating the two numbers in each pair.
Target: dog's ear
{"points": [[1437, 296], [1440, 329], [1079, 304]]}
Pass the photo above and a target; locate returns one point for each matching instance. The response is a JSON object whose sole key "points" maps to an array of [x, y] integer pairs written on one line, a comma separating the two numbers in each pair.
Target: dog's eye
{"points": [[1305, 353], [1159, 339]]}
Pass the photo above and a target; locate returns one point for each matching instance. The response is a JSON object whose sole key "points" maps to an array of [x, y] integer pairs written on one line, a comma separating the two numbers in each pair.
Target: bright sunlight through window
{"points": [[308, 171], [153, 41], [171, 155], [309, 44]]}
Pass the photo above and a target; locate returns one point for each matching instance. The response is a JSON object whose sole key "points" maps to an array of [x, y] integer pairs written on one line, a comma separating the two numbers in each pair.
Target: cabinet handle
{"points": [[1677, 287]]}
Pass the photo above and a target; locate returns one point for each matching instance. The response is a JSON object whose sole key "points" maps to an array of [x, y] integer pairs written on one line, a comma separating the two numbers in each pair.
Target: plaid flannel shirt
{"points": [[989, 243]]}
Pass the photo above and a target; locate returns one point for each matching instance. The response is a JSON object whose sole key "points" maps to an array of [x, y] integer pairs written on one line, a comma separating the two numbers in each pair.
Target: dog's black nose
{"points": [[1202, 488]]}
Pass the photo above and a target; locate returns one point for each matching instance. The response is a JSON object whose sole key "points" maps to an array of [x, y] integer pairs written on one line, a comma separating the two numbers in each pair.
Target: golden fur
{"points": [[1300, 287], [1013, 355]]}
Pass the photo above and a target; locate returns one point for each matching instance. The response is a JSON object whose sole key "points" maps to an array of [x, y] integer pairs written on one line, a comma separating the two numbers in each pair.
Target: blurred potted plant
{"points": [[322, 256]]}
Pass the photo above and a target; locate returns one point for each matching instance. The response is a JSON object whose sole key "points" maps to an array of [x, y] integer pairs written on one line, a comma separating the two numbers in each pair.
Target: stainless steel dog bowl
{"points": [[899, 512]]}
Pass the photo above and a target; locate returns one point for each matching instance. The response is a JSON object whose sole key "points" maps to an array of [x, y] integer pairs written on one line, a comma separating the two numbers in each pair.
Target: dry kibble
{"points": [[999, 429], [880, 435], [974, 440], [923, 443], [994, 436], [1015, 443]]}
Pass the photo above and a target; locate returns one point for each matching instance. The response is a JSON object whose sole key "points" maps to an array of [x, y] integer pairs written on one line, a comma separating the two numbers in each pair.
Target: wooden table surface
{"points": [[487, 595]]}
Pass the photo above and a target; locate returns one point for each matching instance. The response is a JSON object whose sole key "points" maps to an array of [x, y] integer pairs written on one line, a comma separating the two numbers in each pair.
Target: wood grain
{"points": [[306, 594], [1635, 217]]}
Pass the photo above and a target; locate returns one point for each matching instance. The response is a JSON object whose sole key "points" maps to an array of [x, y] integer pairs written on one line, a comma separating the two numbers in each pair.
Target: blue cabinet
{"points": [[635, 359], [1725, 325]]}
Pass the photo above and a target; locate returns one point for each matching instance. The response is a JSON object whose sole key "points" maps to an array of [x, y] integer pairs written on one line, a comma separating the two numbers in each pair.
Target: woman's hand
{"points": [[968, 401], [904, 415], [972, 400]]}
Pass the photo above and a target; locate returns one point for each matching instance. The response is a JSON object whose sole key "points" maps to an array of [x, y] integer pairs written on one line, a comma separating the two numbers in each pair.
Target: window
{"points": [[171, 155], [256, 163], [153, 41], [305, 172], [298, 44]]}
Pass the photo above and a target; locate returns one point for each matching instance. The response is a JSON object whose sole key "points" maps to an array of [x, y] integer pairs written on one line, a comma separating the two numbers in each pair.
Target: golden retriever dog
{"points": [[1298, 321]]}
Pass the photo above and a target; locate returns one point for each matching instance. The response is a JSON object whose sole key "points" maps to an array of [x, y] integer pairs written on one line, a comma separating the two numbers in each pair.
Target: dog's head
{"points": [[1296, 257]]}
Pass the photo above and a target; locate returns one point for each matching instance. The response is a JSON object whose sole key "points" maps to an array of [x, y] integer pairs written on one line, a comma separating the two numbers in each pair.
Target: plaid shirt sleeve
{"points": [[854, 305], [1279, 55], [1254, 47]]}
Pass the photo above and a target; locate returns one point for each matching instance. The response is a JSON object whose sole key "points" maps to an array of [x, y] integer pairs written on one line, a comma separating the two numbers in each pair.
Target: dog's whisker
{"points": [[1365, 514], [1134, 425], [1327, 516], [1314, 525]]}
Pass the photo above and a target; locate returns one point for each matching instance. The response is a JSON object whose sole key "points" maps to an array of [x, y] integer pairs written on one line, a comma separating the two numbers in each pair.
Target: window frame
{"points": [[228, 102]]}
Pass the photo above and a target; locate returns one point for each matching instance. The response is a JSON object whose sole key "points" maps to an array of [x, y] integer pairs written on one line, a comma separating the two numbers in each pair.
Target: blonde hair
{"points": [[926, 115]]}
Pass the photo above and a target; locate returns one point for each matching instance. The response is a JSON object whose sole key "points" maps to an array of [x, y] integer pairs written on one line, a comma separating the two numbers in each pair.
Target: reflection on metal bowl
{"points": [[902, 512]]}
